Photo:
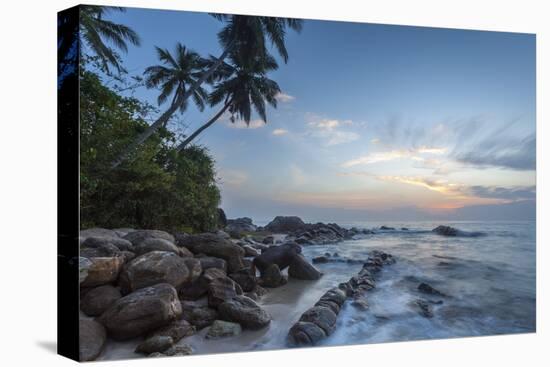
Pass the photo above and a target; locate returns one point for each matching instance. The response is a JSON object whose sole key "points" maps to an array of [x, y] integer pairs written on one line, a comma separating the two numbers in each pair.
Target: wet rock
{"points": [[84, 265], [360, 303], [323, 317], [98, 242], [99, 299], [386, 228], [200, 316], [268, 240], [446, 231], [179, 350], [155, 344], [272, 277], [92, 338], [244, 311], [101, 270], [320, 260], [153, 268], [194, 266], [423, 307], [282, 255], [300, 268], [141, 312], [127, 256], [428, 289], [212, 245], [221, 329], [249, 251], [177, 330], [281, 224], [97, 232], [136, 237], [305, 333]]}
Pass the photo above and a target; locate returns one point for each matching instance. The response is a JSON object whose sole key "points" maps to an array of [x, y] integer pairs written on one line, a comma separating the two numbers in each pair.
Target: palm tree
{"points": [[243, 84], [94, 29], [173, 77], [246, 35]]}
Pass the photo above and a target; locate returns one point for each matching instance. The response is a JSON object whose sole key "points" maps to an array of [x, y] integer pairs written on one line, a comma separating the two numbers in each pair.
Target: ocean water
{"points": [[487, 274]]}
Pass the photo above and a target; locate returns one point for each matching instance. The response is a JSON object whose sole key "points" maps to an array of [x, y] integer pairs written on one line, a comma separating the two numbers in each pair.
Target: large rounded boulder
{"points": [[245, 312], [300, 268], [281, 224], [136, 237], [99, 270], [213, 245], [153, 268], [141, 312], [155, 244], [99, 299]]}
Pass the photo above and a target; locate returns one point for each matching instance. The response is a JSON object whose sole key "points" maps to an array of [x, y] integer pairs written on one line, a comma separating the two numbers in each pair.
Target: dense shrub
{"points": [[157, 188]]}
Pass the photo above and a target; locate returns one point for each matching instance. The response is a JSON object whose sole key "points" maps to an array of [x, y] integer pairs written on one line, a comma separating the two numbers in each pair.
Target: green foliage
{"points": [[157, 188]]}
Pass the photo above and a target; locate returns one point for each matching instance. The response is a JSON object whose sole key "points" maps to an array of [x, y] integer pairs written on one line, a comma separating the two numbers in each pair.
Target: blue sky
{"points": [[374, 121]]}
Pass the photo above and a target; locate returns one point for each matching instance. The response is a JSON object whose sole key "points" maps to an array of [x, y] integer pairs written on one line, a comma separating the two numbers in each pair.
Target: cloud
{"points": [[331, 131], [297, 175], [504, 194], [517, 154], [232, 178], [394, 154], [279, 132], [240, 124], [284, 98]]}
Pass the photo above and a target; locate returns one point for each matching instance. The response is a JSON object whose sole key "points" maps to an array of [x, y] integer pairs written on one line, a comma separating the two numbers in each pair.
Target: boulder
{"points": [[246, 312], [141, 312], [153, 268], [446, 231], [208, 262], [155, 344], [200, 316], [156, 244], [285, 224], [282, 255], [321, 316], [179, 350], [245, 279], [221, 290], [212, 245], [250, 251], [99, 299], [177, 330], [428, 289], [305, 333], [220, 329], [240, 225], [386, 228], [272, 277], [98, 242], [222, 218], [300, 268], [101, 270], [136, 237], [268, 240], [423, 308], [92, 336], [194, 266], [84, 265], [97, 232]]}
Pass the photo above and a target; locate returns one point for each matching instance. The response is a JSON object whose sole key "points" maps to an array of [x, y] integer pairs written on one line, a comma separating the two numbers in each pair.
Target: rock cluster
{"points": [[319, 321]]}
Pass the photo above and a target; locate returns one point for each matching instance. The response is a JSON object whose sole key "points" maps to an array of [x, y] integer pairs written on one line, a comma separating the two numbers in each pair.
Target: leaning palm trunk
{"points": [[161, 121], [166, 116], [191, 137]]}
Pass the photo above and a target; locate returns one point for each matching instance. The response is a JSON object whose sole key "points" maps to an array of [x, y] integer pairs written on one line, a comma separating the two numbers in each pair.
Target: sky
{"points": [[374, 122]]}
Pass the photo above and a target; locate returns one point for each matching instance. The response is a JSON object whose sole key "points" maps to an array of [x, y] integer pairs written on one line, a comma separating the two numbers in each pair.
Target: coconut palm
{"points": [[245, 35], [243, 85], [173, 77], [95, 30]]}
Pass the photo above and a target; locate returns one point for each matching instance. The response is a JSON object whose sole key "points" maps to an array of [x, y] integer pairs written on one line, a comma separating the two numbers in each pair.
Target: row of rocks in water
{"points": [[163, 287], [319, 321]]}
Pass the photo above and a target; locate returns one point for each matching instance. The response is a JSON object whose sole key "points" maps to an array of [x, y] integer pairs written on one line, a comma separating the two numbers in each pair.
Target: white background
{"points": [[28, 181]]}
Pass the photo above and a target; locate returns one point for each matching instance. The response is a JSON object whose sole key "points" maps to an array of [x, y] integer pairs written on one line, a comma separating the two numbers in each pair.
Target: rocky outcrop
{"points": [[100, 270], [92, 338], [319, 321], [446, 231], [220, 329], [222, 289], [240, 225], [244, 311], [136, 237], [300, 268], [281, 224], [154, 268], [99, 299], [141, 312], [212, 245]]}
